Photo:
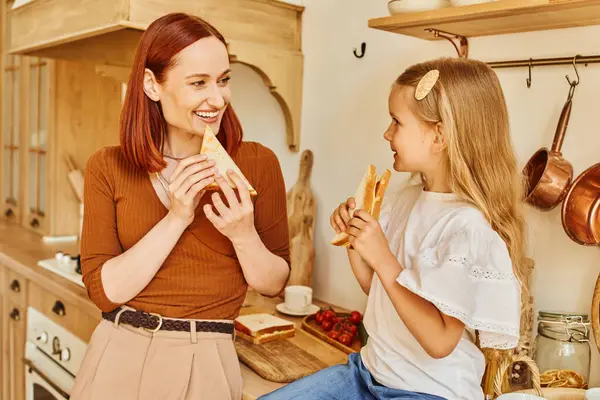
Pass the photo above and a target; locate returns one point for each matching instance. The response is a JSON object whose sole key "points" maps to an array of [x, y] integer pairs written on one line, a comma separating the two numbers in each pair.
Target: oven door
{"points": [[45, 379]]}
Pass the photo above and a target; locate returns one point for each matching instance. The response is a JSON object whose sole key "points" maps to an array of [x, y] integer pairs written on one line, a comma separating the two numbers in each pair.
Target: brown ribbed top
{"points": [[202, 277]]}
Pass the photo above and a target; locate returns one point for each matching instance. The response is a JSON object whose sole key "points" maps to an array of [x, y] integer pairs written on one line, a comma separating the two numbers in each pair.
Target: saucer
{"points": [[309, 310]]}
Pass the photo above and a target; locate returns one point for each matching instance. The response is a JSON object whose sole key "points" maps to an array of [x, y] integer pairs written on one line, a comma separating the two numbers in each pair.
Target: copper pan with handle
{"points": [[548, 175], [581, 208]]}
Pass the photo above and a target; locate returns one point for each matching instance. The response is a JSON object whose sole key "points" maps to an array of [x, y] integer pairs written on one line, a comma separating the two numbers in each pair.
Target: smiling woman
{"points": [[169, 275]]}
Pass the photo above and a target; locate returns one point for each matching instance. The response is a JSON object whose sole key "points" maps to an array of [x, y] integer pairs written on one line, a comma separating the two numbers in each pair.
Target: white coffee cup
{"points": [[298, 298], [592, 394]]}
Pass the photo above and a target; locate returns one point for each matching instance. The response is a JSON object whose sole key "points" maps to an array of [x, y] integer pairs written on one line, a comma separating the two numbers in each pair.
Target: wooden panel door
{"points": [[11, 125], [14, 350], [36, 143]]}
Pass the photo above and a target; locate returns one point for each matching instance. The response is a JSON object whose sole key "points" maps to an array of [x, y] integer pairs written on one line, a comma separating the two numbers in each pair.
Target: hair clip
{"points": [[426, 84]]}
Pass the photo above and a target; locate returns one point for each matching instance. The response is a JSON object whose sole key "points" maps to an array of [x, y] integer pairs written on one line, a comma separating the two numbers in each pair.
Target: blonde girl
{"points": [[441, 266]]}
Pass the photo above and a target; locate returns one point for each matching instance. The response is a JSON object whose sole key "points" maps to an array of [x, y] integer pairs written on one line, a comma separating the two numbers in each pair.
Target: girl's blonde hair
{"points": [[468, 100]]}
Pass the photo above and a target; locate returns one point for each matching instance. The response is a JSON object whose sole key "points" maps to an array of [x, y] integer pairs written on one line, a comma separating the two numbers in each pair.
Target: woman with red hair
{"points": [[168, 265]]}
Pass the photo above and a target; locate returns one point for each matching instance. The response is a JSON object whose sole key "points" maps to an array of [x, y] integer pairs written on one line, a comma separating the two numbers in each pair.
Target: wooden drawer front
{"points": [[2, 280], [14, 322], [15, 286], [62, 312]]}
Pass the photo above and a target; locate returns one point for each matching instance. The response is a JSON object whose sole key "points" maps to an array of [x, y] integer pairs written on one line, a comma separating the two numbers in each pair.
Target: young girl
{"points": [[441, 266]]}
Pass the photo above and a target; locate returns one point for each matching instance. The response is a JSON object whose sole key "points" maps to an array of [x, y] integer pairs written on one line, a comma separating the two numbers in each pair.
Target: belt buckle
{"points": [[160, 322]]}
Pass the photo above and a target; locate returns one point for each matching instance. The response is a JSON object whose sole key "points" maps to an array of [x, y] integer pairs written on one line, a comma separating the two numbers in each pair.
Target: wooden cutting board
{"points": [[286, 360], [279, 361], [301, 207]]}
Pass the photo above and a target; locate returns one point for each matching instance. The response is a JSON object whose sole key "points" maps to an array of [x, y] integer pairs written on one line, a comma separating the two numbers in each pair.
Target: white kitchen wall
{"points": [[345, 115]]}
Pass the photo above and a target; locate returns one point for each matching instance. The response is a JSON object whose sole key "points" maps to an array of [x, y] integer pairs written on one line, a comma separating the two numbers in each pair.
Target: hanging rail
{"points": [[540, 62], [533, 62]]}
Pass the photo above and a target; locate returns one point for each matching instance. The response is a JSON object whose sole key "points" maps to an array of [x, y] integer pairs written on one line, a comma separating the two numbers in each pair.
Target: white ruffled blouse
{"points": [[454, 259]]}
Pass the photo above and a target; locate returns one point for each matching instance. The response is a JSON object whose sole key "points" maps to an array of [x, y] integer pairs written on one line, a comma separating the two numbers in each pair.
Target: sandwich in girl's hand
{"points": [[214, 150], [368, 197]]}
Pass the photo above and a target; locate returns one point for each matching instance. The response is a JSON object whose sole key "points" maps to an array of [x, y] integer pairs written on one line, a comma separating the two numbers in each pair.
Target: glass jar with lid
{"points": [[562, 349]]}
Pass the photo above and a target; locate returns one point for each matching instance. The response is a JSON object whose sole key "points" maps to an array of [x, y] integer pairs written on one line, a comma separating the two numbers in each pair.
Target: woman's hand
{"points": [[188, 184], [236, 221], [368, 239], [341, 215]]}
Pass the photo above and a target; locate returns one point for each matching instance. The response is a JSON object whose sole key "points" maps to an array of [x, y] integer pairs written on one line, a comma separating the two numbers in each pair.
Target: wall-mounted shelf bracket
{"points": [[462, 49]]}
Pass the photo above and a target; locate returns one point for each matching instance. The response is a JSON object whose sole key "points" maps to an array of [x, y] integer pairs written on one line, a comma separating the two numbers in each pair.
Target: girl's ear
{"points": [[151, 87], [439, 140]]}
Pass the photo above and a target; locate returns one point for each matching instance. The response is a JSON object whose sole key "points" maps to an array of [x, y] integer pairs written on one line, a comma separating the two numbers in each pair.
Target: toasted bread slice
{"points": [[214, 150], [369, 196], [261, 324], [266, 338], [380, 189], [364, 200]]}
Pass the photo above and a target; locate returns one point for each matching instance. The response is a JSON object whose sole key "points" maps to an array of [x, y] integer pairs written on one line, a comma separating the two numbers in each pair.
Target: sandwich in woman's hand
{"points": [[368, 197], [214, 150]]}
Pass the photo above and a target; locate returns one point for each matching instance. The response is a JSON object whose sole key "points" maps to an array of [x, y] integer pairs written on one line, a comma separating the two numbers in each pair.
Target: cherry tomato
{"points": [[334, 335], [336, 320], [327, 325], [329, 315], [319, 317], [351, 328], [345, 339], [337, 327], [355, 317]]}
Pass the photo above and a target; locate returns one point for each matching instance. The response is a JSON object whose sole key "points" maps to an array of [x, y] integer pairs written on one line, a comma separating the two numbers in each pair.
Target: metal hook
{"points": [[528, 80], [573, 84], [363, 48]]}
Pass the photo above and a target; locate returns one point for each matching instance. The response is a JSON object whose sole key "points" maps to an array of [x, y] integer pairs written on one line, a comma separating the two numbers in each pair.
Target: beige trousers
{"points": [[123, 362]]}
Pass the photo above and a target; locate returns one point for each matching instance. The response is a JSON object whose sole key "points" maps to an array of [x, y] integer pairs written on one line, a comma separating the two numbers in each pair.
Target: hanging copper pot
{"points": [[547, 173], [581, 208]]}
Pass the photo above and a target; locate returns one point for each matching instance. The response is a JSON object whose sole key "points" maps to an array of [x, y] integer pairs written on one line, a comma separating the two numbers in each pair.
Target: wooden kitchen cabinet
{"points": [[3, 322], [15, 288], [62, 312], [13, 346], [51, 110]]}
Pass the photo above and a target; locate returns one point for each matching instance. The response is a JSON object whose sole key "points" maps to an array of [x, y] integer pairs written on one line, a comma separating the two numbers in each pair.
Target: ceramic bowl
{"points": [[548, 394], [519, 396], [460, 3], [409, 6]]}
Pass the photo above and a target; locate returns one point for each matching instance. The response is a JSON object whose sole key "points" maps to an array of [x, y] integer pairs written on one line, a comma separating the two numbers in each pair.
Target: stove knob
{"points": [[43, 338], [65, 354]]}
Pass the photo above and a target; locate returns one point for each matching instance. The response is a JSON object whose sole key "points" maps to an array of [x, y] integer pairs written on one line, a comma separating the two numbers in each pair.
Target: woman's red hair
{"points": [[143, 127]]}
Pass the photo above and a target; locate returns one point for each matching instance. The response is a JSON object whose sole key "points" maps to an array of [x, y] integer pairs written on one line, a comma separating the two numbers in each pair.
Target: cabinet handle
{"points": [[15, 315], [59, 308], [9, 213], [34, 223], [15, 286]]}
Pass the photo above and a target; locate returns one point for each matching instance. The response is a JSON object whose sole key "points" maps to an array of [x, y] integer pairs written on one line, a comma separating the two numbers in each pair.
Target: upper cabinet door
{"points": [[11, 133], [36, 141]]}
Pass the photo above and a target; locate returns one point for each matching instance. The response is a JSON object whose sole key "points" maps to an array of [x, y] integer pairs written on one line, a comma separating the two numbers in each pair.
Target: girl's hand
{"points": [[368, 239], [236, 221], [188, 184], [341, 215]]}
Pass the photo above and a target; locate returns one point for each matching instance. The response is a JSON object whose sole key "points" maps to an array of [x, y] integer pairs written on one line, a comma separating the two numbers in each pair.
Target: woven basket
{"points": [[505, 365]]}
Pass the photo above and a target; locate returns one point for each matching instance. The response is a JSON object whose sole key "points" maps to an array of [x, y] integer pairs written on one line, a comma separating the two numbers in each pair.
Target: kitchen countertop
{"points": [[21, 249]]}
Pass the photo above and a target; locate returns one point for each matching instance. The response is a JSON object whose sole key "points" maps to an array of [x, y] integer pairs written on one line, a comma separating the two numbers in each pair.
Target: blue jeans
{"points": [[350, 381]]}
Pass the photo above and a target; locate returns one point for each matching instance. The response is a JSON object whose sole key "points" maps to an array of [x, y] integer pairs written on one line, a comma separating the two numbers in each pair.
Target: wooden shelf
{"points": [[494, 18]]}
